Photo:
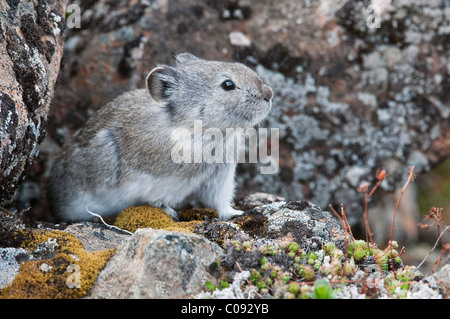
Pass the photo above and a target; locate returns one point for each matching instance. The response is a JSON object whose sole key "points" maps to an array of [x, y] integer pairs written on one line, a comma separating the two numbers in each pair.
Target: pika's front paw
{"points": [[170, 211], [229, 213]]}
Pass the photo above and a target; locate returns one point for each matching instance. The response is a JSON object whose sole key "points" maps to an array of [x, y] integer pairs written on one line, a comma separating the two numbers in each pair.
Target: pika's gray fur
{"points": [[122, 156]]}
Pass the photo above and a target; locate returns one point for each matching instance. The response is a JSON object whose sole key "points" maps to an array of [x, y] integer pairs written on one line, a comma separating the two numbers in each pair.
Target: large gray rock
{"points": [[31, 41], [158, 264]]}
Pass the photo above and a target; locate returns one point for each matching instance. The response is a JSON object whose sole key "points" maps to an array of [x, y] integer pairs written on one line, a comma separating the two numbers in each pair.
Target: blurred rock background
{"points": [[350, 98]]}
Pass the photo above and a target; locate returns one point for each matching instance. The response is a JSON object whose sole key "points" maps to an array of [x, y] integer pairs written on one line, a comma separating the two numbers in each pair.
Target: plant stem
{"points": [[410, 177]]}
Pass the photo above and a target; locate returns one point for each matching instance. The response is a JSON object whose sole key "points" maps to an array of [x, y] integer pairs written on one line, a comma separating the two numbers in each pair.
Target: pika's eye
{"points": [[228, 85]]}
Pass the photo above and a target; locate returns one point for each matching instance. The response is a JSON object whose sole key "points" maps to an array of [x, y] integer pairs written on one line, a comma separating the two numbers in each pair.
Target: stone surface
{"points": [[31, 47], [158, 264], [432, 286], [301, 220], [350, 99], [280, 220], [443, 276], [10, 259], [248, 201], [43, 261], [95, 236]]}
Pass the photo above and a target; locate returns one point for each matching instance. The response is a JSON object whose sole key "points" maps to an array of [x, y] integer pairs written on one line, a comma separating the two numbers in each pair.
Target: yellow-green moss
{"points": [[151, 217], [48, 277]]}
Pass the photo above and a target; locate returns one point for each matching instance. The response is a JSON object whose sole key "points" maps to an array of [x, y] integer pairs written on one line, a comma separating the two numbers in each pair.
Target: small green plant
{"points": [[398, 282], [323, 290], [212, 287]]}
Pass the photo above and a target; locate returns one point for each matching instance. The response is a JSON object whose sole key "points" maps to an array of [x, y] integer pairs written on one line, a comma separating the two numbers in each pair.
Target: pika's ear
{"points": [[184, 57], [161, 82]]}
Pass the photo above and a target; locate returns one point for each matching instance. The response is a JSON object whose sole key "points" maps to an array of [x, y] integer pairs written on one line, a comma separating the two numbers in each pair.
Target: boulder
{"points": [[158, 264], [95, 236], [31, 47]]}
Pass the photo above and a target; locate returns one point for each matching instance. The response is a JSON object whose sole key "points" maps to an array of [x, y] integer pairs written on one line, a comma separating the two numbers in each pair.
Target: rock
{"points": [[158, 264], [10, 259], [302, 221], [95, 236], [248, 201], [54, 265], [443, 276], [299, 221], [433, 286], [42, 260], [31, 41], [350, 99]]}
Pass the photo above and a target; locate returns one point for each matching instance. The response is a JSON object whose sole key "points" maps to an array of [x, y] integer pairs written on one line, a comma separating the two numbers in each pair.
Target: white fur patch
{"points": [[142, 189]]}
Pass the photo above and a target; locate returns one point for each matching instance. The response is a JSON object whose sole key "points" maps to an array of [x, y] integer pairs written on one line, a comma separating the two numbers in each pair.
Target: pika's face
{"points": [[221, 94]]}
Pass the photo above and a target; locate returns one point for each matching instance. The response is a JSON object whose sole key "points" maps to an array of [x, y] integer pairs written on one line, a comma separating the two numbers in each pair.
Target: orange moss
{"points": [[151, 217]]}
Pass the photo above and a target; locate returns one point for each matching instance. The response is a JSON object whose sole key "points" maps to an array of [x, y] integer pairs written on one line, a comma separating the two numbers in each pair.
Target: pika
{"points": [[121, 157]]}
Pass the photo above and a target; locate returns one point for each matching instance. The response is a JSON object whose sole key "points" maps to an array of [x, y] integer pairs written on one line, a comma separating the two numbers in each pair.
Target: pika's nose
{"points": [[267, 92]]}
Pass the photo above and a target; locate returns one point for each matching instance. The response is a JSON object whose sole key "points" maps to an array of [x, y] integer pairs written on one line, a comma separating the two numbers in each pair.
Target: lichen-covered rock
{"points": [[298, 221], [10, 264], [49, 261], [55, 265], [158, 264], [31, 41], [301, 220], [247, 201], [264, 229]]}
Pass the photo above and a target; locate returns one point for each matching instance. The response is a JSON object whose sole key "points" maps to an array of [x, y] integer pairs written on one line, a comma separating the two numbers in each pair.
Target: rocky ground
{"points": [[277, 249]]}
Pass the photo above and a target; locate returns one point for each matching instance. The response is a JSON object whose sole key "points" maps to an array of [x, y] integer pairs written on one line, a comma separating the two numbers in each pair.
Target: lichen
{"points": [[253, 224], [60, 267], [220, 232], [151, 217], [232, 291]]}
